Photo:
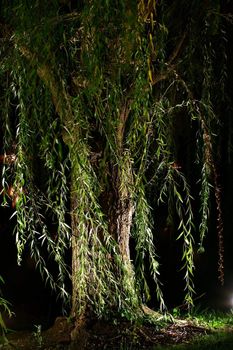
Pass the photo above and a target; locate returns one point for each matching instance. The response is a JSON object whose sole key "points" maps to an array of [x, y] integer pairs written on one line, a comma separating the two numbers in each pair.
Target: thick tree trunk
{"points": [[124, 225], [78, 333], [74, 245], [125, 210], [124, 181], [62, 104]]}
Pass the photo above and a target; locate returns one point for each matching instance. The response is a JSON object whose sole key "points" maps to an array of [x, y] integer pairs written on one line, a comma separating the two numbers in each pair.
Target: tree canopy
{"points": [[110, 113]]}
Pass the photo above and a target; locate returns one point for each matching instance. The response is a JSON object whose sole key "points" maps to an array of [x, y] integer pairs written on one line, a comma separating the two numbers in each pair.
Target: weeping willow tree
{"points": [[94, 98]]}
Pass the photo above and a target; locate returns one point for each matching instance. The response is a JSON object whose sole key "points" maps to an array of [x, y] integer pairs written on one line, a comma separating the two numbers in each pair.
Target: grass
{"points": [[214, 319], [218, 334], [220, 326], [217, 341], [200, 330]]}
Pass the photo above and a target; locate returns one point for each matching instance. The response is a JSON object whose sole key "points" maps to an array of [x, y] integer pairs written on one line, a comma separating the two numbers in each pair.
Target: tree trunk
{"points": [[74, 245], [124, 182], [125, 209]]}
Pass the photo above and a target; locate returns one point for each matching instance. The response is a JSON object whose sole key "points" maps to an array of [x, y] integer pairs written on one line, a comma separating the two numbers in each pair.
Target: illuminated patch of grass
{"points": [[214, 319], [220, 326], [216, 341]]}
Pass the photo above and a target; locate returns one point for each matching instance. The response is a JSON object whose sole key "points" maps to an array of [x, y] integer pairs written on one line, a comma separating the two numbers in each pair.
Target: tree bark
{"points": [[124, 180]]}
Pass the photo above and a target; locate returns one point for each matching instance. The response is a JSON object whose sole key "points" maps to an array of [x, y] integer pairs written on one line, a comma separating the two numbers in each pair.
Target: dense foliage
{"points": [[110, 110]]}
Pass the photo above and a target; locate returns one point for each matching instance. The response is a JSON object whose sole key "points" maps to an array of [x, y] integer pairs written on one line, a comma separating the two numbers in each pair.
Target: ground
{"points": [[104, 335]]}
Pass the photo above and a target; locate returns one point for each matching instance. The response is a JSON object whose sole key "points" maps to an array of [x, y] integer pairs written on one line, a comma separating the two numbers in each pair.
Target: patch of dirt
{"points": [[98, 334]]}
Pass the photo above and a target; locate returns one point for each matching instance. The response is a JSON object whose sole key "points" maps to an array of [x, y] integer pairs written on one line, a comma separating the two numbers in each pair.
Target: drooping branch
{"points": [[217, 192]]}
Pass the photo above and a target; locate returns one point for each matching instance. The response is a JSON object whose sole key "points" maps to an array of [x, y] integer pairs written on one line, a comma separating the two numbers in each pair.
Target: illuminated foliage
{"points": [[94, 95]]}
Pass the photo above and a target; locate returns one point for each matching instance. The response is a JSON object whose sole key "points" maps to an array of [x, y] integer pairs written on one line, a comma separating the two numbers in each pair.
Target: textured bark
{"points": [[124, 225], [74, 225], [125, 206]]}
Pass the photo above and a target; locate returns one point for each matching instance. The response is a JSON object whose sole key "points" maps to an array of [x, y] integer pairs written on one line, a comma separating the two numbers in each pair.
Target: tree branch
{"points": [[177, 49], [170, 66], [60, 98]]}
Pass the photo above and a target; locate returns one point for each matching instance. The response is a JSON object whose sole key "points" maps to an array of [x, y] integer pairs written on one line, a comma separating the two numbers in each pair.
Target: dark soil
{"points": [[103, 335]]}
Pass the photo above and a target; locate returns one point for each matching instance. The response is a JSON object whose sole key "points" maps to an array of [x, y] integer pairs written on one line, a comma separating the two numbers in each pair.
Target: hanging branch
{"points": [[217, 192], [208, 157]]}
